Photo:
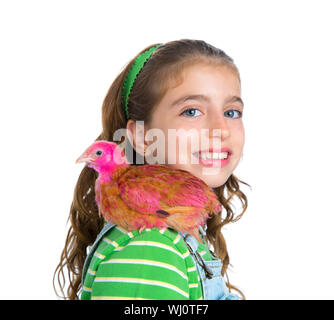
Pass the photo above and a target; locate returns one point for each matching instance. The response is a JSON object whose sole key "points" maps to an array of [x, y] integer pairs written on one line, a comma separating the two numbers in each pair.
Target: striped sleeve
{"points": [[148, 267]]}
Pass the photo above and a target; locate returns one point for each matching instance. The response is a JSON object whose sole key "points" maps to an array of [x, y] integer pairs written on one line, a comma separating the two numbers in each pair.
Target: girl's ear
{"points": [[136, 135]]}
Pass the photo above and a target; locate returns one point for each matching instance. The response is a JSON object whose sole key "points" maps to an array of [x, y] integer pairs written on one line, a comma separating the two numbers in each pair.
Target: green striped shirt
{"points": [[154, 264]]}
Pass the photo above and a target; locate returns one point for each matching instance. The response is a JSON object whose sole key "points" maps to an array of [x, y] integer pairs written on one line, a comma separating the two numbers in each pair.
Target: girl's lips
{"points": [[214, 162]]}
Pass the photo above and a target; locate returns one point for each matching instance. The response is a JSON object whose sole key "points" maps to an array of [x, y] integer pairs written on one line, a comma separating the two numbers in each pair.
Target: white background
{"points": [[58, 59]]}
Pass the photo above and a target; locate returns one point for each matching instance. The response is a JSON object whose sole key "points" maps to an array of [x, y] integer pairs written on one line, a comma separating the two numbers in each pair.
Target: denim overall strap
{"points": [[104, 230], [192, 245], [213, 283]]}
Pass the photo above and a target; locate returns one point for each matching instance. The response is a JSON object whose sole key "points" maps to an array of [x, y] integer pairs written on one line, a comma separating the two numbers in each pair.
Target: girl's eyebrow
{"points": [[230, 99], [202, 97]]}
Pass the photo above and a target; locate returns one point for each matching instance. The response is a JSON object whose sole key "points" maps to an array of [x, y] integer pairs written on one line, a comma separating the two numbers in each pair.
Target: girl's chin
{"points": [[214, 183]]}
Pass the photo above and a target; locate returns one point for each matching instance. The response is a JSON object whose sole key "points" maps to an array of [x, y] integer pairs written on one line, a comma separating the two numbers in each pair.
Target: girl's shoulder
{"points": [[164, 245], [118, 252], [118, 239], [167, 242]]}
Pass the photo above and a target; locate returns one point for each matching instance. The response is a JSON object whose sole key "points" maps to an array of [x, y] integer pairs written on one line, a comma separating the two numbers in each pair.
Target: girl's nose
{"points": [[219, 127]]}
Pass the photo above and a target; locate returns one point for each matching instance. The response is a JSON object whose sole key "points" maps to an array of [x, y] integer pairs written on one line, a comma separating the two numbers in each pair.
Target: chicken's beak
{"points": [[84, 158]]}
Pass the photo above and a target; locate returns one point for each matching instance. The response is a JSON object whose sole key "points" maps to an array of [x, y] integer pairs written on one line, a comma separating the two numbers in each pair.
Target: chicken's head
{"points": [[103, 156]]}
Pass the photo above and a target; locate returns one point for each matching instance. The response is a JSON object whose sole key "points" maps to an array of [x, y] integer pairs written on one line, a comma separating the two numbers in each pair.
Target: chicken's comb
{"points": [[132, 75]]}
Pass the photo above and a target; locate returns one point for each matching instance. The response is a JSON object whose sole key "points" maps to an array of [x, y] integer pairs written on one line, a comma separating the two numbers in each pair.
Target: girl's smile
{"points": [[214, 158]]}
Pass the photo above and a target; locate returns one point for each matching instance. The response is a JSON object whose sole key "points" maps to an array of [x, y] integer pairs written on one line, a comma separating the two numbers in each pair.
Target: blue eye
{"points": [[230, 112], [190, 112]]}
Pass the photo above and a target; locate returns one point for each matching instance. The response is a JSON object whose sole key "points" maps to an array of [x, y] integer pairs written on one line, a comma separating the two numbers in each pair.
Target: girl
{"points": [[185, 84]]}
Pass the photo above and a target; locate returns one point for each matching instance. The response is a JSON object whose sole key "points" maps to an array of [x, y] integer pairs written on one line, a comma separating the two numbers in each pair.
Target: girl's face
{"points": [[219, 107]]}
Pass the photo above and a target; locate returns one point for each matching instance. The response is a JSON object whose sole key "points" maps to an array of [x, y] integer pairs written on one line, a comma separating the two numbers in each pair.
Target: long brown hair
{"points": [[165, 65]]}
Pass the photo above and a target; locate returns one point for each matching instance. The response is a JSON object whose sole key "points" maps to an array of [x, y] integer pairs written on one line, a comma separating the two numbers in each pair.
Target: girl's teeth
{"points": [[223, 155], [214, 155]]}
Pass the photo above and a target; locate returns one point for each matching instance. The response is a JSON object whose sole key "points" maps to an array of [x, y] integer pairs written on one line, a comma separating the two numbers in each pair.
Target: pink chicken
{"points": [[149, 195]]}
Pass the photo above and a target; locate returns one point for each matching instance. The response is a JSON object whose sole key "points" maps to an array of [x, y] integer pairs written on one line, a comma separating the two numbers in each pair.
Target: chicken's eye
{"points": [[98, 152]]}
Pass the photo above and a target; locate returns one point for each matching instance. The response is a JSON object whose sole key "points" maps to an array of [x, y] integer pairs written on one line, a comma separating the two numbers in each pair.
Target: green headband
{"points": [[132, 75]]}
